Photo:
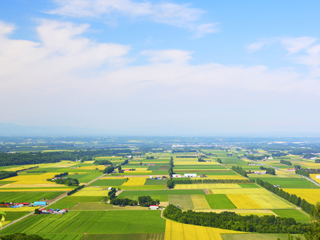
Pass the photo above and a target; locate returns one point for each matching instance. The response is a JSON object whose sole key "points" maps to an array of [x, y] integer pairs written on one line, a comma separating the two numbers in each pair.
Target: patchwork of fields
{"points": [[98, 219]]}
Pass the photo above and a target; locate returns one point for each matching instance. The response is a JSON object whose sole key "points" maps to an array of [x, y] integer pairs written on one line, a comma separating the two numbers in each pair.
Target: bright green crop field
{"points": [[219, 201]]}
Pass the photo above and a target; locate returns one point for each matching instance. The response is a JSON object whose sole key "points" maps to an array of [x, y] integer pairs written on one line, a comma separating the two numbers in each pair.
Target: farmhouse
{"points": [[190, 175], [154, 207], [176, 175]]}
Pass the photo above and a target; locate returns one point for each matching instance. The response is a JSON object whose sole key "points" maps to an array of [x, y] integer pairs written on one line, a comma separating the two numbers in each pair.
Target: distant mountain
{"points": [[9, 129]]}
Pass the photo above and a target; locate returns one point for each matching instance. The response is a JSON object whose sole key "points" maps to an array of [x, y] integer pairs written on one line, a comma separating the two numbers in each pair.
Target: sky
{"points": [[161, 67]]}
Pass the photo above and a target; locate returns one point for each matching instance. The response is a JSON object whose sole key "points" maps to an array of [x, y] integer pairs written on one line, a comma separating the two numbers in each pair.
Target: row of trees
{"points": [[306, 206], [75, 190], [233, 221], [7, 174], [286, 162], [170, 183], [7, 159], [67, 181], [271, 171], [240, 170], [102, 162]]}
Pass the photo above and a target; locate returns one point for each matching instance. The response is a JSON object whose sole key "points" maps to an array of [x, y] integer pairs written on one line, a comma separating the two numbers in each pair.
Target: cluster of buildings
{"points": [[186, 175], [26, 204], [53, 211]]}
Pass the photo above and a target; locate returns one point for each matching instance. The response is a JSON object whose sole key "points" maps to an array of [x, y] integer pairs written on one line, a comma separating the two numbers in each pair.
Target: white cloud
{"points": [[178, 15], [66, 78], [255, 46], [294, 45], [6, 28]]}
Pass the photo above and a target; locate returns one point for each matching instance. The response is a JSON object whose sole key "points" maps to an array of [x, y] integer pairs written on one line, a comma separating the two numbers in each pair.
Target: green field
{"points": [[291, 213], [77, 199], [91, 222], [136, 236], [288, 182], [199, 167], [11, 216], [219, 201], [108, 182], [248, 185], [160, 192], [144, 187], [21, 197], [85, 178], [256, 236], [183, 201], [155, 182]]}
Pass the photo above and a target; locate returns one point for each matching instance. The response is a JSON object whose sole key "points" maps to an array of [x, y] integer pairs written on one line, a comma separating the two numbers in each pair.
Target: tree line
{"points": [[286, 162], [306, 206], [7, 174], [233, 221], [7, 159], [240, 170], [271, 171]]}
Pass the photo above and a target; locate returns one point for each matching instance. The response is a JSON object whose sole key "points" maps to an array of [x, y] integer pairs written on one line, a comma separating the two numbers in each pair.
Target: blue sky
{"points": [[161, 67]]}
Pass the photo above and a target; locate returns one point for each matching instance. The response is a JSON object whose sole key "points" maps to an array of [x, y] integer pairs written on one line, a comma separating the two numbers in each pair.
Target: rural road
{"points": [[17, 220]]}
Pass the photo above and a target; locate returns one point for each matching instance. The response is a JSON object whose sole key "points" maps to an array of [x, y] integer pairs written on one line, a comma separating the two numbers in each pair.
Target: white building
{"points": [[190, 175], [154, 207], [176, 175]]}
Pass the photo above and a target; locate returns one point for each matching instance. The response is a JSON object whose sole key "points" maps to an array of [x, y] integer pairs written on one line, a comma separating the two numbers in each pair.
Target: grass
{"points": [[248, 186], [27, 196], [219, 201], [85, 178], [160, 192], [144, 187], [72, 199], [183, 201], [199, 202], [62, 205], [11, 216], [257, 236], [155, 182], [289, 182], [136, 236], [108, 182], [292, 213]]}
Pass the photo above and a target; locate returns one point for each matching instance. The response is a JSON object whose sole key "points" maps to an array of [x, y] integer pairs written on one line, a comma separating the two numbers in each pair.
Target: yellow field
{"points": [[240, 191], [100, 167], [199, 202], [31, 185], [92, 189], [313, 176], [21, 167], [21, 209], [242, 201], [34, 181], [135, 181], [194, 162], [310, 195], [37, 190], [309, 164], [269, 201], [180, 231], [137, 171], [91, 193], [207, 186]]}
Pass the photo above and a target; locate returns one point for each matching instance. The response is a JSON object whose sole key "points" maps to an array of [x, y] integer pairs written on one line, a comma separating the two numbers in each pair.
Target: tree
{"points": [[313, 232], [170, 184], [219, 160], [22, 236]]}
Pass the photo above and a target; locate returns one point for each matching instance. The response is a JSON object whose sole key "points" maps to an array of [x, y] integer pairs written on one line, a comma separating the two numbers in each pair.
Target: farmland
{"points": [[90, 211]]}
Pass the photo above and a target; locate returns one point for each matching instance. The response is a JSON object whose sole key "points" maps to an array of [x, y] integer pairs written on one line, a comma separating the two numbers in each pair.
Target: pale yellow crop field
{"points": [[94, 193], [310, 195], [27, 181], [242, 201], [113, 178], [100, 167], [240, 191], [199, 202], [37, 190], [180, 231], [207, 186], [309, 164], [92, 189], [269, 201], [135, 181], [13, 169], [21, 209], [313, 176], [32, 185], [195, 162], [137, 171]]}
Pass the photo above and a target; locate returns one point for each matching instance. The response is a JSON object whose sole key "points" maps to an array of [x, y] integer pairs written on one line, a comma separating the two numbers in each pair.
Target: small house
{"points": [[190, 175], [176, 175], [109, 188], [40, 203], [154, 207]]}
